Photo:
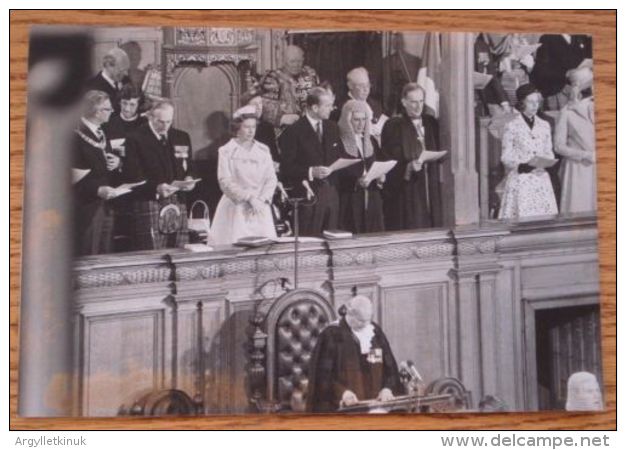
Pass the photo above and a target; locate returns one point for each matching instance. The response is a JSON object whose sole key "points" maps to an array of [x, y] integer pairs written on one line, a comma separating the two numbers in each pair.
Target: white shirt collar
{"points": [[567, 37], [95, 129], [109, 80], [312, 121], [157, 135], [365, 336]]}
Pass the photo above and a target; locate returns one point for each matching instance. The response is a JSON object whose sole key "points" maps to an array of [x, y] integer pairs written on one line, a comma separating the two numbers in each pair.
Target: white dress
{"points": [[243, 174], [574, 137], [526, 194]]}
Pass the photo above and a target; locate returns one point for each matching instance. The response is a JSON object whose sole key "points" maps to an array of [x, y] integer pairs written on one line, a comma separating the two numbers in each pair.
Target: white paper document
{"points": [[378, 169], [481, 80], [342, 163], [185, 184], [431, 155], [542, 163], [117, 143], [125, 188], [376, 129], [79, 174]]}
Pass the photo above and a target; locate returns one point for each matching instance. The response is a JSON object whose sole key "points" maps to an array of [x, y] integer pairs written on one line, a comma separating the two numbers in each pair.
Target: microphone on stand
{"points": [[413, 371]]}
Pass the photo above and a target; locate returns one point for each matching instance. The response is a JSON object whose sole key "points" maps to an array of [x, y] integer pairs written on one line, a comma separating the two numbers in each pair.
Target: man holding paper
{"points": [[412, 197], [308, 148], [361, 204], [99, 172], [160, 155]]}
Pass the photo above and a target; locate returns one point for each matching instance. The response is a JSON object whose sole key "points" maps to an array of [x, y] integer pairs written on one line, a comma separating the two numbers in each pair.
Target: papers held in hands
{"points": [[185, 184], [481, 80], [542, 163], [431, 155], [117, 143], [342, 163], [79, 174], [378, 169], [126, 188]]}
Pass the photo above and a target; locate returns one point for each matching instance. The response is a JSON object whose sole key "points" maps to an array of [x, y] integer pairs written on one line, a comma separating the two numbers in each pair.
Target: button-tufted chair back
{"points": [[292, 325], [297, 330]]}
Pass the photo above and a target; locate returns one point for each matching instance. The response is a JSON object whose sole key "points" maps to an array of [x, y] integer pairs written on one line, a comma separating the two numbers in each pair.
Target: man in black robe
{"points": [[352, 361], [412, 195]]}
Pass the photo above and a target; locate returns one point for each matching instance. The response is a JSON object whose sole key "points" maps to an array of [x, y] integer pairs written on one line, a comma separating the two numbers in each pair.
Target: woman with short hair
{"points": [[528, 190], [247, 178]]}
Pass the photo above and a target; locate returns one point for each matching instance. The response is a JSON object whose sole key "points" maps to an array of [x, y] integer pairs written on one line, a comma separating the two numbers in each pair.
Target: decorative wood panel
{"points": [[123, 354], [425, 342]]}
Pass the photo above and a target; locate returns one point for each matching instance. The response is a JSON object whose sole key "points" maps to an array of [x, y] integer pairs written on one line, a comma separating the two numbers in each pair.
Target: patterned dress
{"points": [[526, 194], [243, 174]]}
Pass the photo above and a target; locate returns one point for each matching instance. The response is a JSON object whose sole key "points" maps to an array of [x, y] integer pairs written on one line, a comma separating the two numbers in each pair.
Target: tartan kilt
{"points": [[146, 235]]}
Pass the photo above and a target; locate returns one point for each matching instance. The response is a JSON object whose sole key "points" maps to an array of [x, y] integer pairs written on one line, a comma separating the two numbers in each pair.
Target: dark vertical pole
{"points": [[295, 245]]}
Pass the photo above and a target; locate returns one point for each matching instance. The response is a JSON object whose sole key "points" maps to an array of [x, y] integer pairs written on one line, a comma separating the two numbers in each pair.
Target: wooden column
{"points": [[460, 178]]}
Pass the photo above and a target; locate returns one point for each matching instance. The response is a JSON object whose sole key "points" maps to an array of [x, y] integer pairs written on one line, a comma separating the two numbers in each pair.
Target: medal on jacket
{"points": [[375, 356], [98, 144]]}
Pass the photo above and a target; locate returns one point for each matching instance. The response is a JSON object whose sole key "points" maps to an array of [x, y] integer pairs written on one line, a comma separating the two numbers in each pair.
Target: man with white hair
{"points": [[285, 90], [112, 77], [352, 361], [359, 88], [160, 155]]}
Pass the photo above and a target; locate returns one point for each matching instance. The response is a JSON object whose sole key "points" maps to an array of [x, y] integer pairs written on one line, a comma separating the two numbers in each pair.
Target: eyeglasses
{"points": [[106, 109]]}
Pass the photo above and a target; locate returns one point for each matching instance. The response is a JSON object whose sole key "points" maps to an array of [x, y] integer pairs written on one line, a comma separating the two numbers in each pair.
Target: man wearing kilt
{"points": [[160, 155]]}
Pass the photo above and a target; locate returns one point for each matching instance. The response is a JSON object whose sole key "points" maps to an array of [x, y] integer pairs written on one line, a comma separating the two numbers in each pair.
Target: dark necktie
{"points": [[99, 134], [163, 140], [319, 130]]}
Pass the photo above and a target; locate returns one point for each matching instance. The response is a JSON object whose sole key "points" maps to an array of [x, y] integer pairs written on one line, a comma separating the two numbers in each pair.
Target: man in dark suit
{"points": [[160, 155], [307, 148], [93, 215], [112, 77], [558, 56], [411, 196]]}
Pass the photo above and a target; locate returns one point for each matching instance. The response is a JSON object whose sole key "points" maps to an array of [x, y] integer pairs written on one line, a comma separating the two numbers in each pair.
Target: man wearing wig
{"points": [[360, 201]]}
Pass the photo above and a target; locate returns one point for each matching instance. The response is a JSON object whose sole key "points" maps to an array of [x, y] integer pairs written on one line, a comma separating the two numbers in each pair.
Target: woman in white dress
{"points": [[247, 178], [528, 190], [574, 139]]}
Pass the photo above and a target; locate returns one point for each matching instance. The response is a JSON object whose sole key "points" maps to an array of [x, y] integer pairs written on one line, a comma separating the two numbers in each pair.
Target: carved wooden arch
{"points": [[230, 71]]}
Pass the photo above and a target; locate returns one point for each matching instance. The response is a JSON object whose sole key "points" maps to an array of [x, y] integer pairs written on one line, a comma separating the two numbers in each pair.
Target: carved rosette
{"points": [[195, 36]]}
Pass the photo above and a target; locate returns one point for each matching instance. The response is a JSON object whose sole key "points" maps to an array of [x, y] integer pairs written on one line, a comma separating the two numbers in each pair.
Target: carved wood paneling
{"points": [[123, 354], [415, 320]]}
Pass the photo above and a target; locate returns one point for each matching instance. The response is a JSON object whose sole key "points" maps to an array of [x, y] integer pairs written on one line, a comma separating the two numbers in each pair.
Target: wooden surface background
{"points": [[601, 24]]}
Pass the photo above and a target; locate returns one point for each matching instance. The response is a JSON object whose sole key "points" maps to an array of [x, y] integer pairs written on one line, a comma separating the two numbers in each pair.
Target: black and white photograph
{"points": [[271, 221]]}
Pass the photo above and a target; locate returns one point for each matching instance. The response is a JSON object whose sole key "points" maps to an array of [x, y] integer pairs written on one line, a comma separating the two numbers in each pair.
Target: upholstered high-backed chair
{"points": [[285, 333]]}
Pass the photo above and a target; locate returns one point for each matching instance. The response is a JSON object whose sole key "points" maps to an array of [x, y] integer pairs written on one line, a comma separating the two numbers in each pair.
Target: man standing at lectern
{"points": [[352, 361]]}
